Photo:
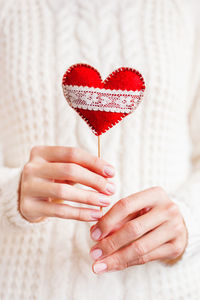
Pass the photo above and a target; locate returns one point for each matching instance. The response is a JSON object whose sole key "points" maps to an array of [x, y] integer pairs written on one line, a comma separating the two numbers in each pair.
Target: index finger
{"points": [[122, 209], [73, 155]]}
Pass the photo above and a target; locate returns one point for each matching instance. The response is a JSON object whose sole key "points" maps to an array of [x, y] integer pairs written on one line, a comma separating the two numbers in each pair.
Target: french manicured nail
{"points": [[105, 200], [96, 253], [96, 215], [96, 234], [109, 171], [110, 188], [99, 267]]}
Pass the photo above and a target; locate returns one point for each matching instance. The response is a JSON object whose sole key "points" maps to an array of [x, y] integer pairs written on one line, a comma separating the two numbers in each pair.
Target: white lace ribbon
{"points": [[102, 99]]}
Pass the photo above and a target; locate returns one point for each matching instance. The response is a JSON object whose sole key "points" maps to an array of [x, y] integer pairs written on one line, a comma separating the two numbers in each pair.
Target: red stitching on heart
{"points": [[122, 81]]}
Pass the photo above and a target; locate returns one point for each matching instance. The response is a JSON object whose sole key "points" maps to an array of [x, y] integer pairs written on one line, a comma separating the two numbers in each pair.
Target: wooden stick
{"points": [[99, 154], [99, 149]]}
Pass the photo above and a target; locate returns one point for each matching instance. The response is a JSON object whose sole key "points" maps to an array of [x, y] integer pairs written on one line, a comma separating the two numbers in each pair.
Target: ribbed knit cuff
{"points": [[9, 197], [191, 222]]}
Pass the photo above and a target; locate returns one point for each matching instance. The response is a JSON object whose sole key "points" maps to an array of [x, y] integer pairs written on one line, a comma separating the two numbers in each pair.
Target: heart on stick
{"points": [[102, 104]]}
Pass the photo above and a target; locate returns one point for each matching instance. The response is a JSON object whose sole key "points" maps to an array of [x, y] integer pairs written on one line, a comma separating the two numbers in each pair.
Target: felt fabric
{"points": [[122, 79], [158, 146]]}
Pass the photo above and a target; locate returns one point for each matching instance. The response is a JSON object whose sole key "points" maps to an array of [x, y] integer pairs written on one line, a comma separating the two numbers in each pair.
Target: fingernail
{"points": [[99, 267], [105, 200], [96, 253], [96, 214], [110, 188], [109, 171], [96, 234]]}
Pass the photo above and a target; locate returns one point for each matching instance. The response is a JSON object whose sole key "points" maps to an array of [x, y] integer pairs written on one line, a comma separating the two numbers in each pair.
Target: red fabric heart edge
{"points": [[91, 77]]}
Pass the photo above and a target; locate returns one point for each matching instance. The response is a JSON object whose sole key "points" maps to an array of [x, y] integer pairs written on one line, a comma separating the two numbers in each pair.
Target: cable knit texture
{"points": [[158, 145]]}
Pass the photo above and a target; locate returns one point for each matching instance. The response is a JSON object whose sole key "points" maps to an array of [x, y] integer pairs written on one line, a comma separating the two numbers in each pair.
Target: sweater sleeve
{"points": [[9, 197], [187, 196], [10, 177]]}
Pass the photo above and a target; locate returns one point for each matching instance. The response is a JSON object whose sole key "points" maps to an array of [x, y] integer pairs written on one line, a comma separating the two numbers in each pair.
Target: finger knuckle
{"points": [[176, 249], [24, 207], [124, 204], [28, 169], [35, 150], [178, 227], [110, 244], [26, 186], [173, 209], [126, 264], [72, 153], [143, 259], [139, 248], [157, 189], [80, 214], [117, 262], [134, 228]]}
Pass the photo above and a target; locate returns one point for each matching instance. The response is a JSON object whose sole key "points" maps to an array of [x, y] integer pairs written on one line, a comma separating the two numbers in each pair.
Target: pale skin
{"points": [[142, 227], [130, 238], [52, 172]]}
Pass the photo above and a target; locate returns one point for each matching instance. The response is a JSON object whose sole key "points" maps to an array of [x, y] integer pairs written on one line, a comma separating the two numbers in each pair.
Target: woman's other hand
{"points": [[126, 237], [51, 173]]}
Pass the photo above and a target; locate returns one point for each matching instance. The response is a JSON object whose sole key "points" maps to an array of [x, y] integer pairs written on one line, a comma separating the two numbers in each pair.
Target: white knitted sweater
{"points": [[157, 145]]}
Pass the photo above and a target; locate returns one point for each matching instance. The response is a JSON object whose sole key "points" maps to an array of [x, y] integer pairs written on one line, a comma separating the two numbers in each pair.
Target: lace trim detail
{"points": [[102, 99]]}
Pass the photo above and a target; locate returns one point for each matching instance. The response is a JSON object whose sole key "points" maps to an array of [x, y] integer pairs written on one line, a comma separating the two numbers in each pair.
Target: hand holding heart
{"points": [[50, 177], [143, 227]]}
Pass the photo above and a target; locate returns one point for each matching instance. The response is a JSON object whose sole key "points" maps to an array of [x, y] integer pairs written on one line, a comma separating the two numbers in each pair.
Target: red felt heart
{"points": [[102, 104]]}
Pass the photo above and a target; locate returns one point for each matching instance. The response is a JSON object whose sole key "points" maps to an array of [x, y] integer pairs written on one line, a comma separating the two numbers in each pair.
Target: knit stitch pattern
{"points": [[159, 145]]}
